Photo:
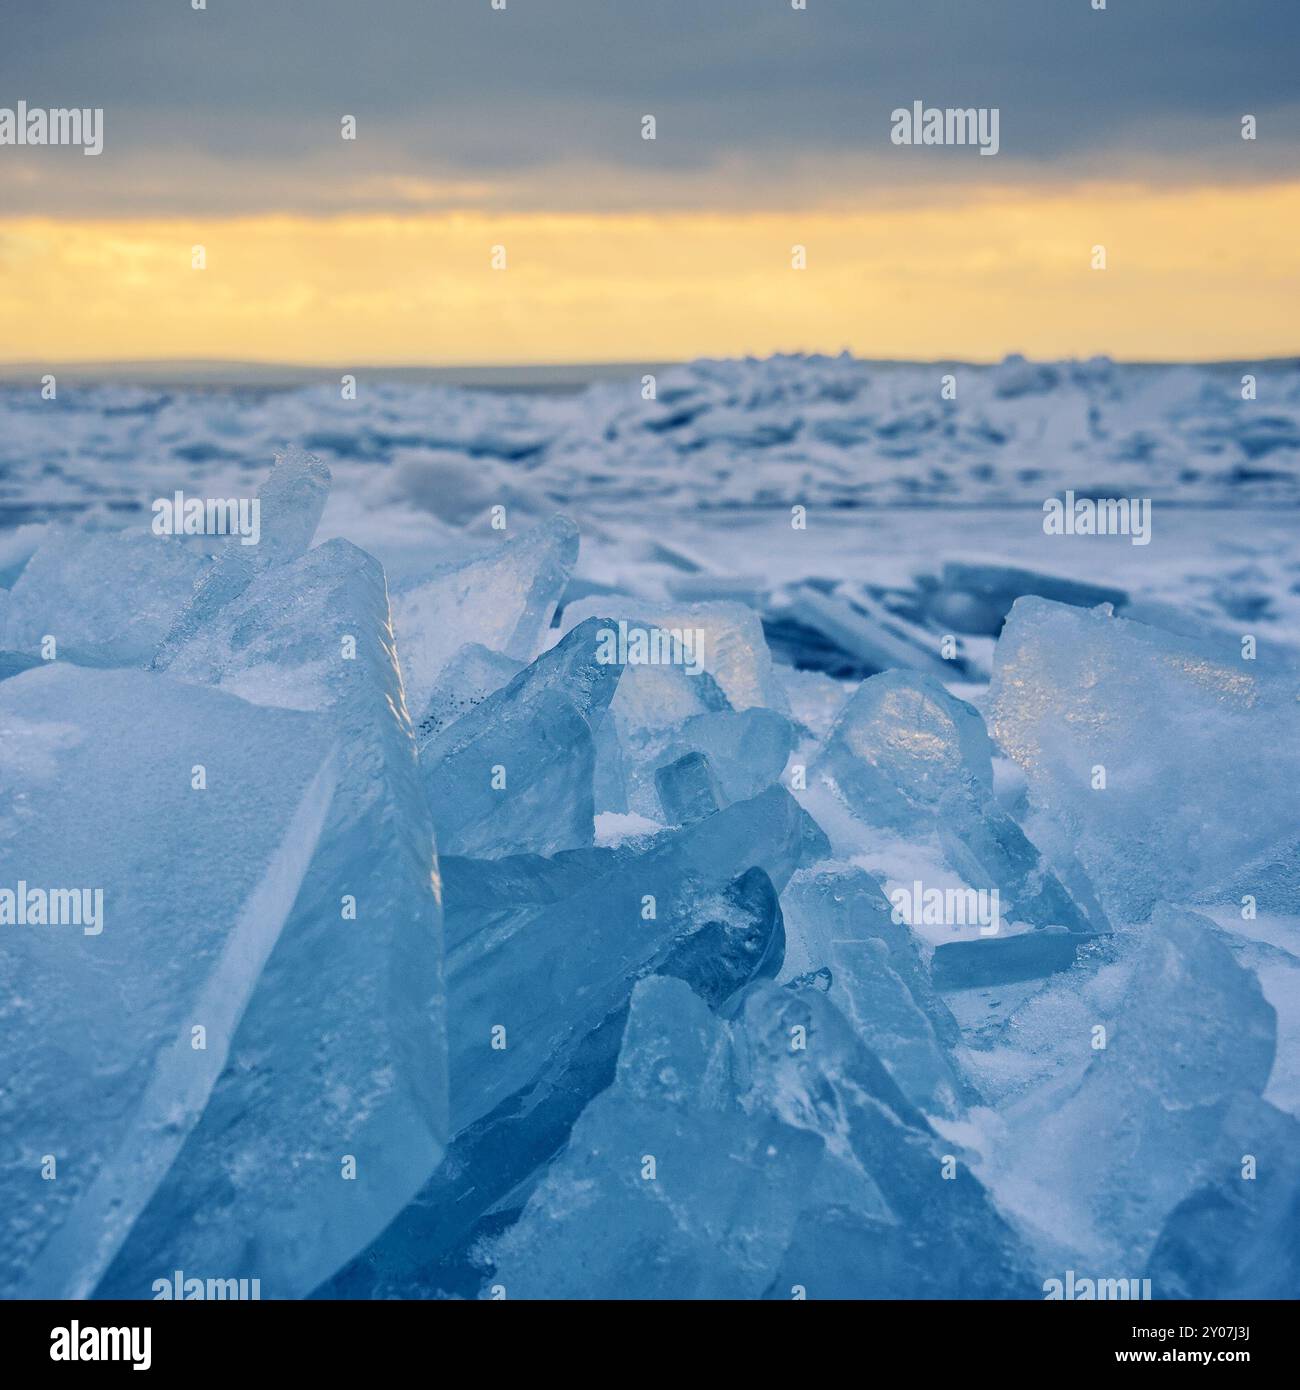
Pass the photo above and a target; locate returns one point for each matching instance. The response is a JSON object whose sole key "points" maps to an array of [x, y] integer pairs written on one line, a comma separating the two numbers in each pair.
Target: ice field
{"points": [[699, 838]]}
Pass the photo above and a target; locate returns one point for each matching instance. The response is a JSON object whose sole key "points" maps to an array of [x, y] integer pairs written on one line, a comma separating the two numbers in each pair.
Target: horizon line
{"points": [[224, 371]]}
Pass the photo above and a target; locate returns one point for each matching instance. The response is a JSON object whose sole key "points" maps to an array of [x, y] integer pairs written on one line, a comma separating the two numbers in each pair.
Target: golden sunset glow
{"points": [[1191, 274]]}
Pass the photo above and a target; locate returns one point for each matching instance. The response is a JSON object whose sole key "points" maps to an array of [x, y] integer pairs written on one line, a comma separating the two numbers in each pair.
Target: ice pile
{"points": [[514, 936], [847, 433], [1143, 748], [252, 1065]]}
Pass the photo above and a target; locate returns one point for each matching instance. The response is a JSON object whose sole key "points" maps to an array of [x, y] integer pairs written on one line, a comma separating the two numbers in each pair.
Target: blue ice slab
{"points": [[472, 674], [667, 1188], [503, 599], [879, 1005], [1107, 1151], [546, 949], [688, 789], [834, 917], [722, 640], [934, 1231], [651, 701], [1235, 1236], [999, 960], [899, 745], [1186, 733], [106, 598], [290, 501], [875, 639], [105, 1073], [989, 850], [515, 775], [727, 939], [975, 596], [747, 748], [740, 938], [349, 1056]]}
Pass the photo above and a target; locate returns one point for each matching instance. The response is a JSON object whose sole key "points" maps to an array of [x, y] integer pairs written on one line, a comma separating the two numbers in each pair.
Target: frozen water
{"points": [[106, 598], [989, 850], [741, 938], [291, 501], [688, 789], [667, 1188], [515, 775], [1123, 1133], [876, 640], [105, 1072], [471, 675], [969, 1142], [545, 949], [747, 749], [727, 639], [975, 596], [879, 1005], [998, 960], [899, 744], [828, 907], [1176, 727], [727, 939], [503, 600], [356, 1065], [1235, 1237], [922, 1225]]}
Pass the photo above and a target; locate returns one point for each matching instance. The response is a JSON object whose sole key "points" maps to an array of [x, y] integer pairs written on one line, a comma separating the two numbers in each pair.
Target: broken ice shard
{"points": [[139, 789], [741, 938], [747, 749], [688, 789], [504, 600], [1235, 1236], [106, 598], [651, 701], [899, 744], [919, 1223], [723, 640], [999, 960], [840, 919], [989, 850], [472, 674], [290, 504], [876, 640], [975, 596], [879, 1005], [667, 1187], [515, 775], [1140, 748], [726, 940], [1106, 1152], [343, 1068], [544, 950]]}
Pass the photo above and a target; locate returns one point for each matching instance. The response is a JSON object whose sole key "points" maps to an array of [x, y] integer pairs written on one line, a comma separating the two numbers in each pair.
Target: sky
{"points": [[500, 205]]}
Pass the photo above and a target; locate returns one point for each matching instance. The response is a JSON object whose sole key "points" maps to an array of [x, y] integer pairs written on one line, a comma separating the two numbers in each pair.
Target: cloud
{"points": [[237, 107]]}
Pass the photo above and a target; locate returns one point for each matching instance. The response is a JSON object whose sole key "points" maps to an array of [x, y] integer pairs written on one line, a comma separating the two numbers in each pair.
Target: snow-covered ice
{"points": [[723, 845]]}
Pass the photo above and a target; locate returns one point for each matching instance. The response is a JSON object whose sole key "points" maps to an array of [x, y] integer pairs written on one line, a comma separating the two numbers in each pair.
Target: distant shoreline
{"points": [[558, 377]]}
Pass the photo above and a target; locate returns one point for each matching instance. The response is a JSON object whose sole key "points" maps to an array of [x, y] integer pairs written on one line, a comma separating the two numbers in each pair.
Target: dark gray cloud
{"points": [[239, 105]]}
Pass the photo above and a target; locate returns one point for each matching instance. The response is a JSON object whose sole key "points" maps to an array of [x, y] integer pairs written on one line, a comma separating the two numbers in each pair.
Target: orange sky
{"points": [[1193, 273]]}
